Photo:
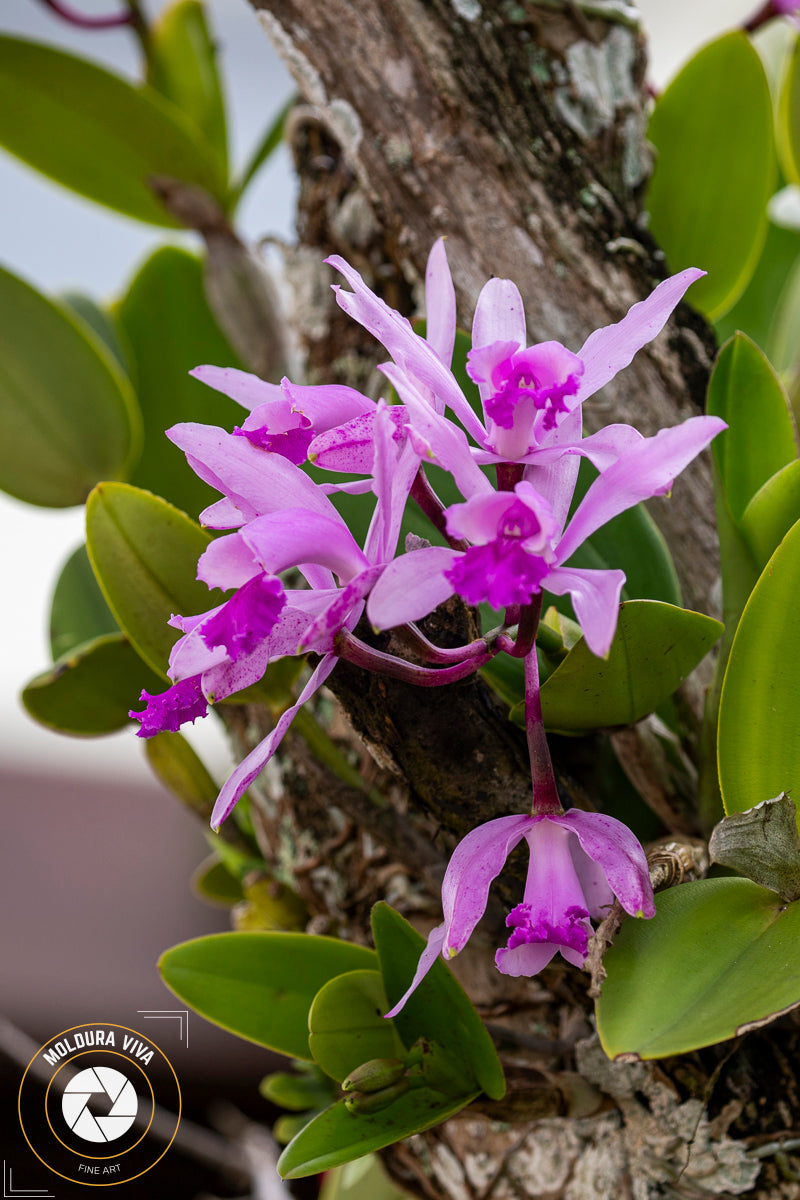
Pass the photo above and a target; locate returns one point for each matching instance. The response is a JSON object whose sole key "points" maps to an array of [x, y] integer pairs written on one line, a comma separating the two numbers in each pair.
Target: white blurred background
{"points": [[95, 856]]}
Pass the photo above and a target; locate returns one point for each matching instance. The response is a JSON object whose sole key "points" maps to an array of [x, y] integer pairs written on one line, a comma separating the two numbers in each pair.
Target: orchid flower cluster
{"points": [[506, 542]]}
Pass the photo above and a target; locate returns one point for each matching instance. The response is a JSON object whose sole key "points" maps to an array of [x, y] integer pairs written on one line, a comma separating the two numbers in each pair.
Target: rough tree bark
{"points": [[517, 130]]}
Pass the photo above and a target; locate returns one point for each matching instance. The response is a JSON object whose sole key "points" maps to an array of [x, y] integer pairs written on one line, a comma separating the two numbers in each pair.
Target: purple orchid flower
{"points": [[285, 521], [578, 862], [531, 396], [518, 547]]}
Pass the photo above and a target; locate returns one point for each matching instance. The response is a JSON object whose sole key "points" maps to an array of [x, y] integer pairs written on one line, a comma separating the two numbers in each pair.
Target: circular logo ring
{"points": [[51, 1148]]}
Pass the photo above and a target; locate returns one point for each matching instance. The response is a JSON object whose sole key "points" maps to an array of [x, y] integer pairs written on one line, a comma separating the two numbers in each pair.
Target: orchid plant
{"points": [[507, 544], [340, 526]]}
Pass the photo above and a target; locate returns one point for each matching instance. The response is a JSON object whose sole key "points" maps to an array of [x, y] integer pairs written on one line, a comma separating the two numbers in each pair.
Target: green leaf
{"points": [[364, 1179], [713, 177], [298, 1093], [439, 1009], [719, 957], [758, 747], [144, 553], [263, 151], [68, 414], [212, 881], [754, 313], [90, 691], [169, 327], [78, 610], [772, 512], [788, 116], [760, 438], [260, 985], [97, 134], [783, 329], [347, 1026], [655, 647], [337, 1136], [182, 66], [99, 322]]}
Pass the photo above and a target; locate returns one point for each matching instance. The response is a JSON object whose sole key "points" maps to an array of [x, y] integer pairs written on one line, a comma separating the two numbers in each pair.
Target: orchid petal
{"points": [[440, 303], [258, 481], [328, 404], [612, 846], [426, 961], [411, 587], [499, 315], [411, 352], [476, 862], [608, 350], [351, 446], [223, 514], [555, 478], [647, 470], [394, 468], [243, 387], [345, 604], [228, 562], [294, 535], [448, 443], [595, 598], [251, 767]]}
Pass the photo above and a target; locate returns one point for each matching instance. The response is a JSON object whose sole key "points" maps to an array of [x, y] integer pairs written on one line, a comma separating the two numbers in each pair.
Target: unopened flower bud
{"points": [[374, 1075], [370, 1102]]}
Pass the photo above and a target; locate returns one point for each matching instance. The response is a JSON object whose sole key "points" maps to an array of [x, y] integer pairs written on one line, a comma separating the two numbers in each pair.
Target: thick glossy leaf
{"points": [[99, 322], [337, 1136], [308, 1089], [655, 647], [758, 746], [783, 331], [78, 610], [260, 985], [788, 123], [754, 312], [144, 553], [760, 438], [772, 512], [347, 1027], [90, 690], [96, 133], [439, 1009], [168, 325], [68, 414], [212, 881], [719, 956], [364, 1179], [713, 176], [182, 66]]}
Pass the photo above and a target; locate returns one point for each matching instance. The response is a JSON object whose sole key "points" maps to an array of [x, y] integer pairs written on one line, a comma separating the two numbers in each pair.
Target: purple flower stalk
{"points": [[578, 862]]}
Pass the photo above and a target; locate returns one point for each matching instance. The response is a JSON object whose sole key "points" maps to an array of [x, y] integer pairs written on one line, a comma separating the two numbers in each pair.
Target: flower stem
{"points": [[766, 13], [353, 650], [432, 507], [432, 653], [85, 21], [545, 792]]}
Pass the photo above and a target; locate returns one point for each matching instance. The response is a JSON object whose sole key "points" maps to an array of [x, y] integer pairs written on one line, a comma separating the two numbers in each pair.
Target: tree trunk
{"points": [[517, 130]]}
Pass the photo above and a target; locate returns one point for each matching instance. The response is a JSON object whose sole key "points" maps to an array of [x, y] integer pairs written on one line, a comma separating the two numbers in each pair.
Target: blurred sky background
{"points": [[58, 241]]}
